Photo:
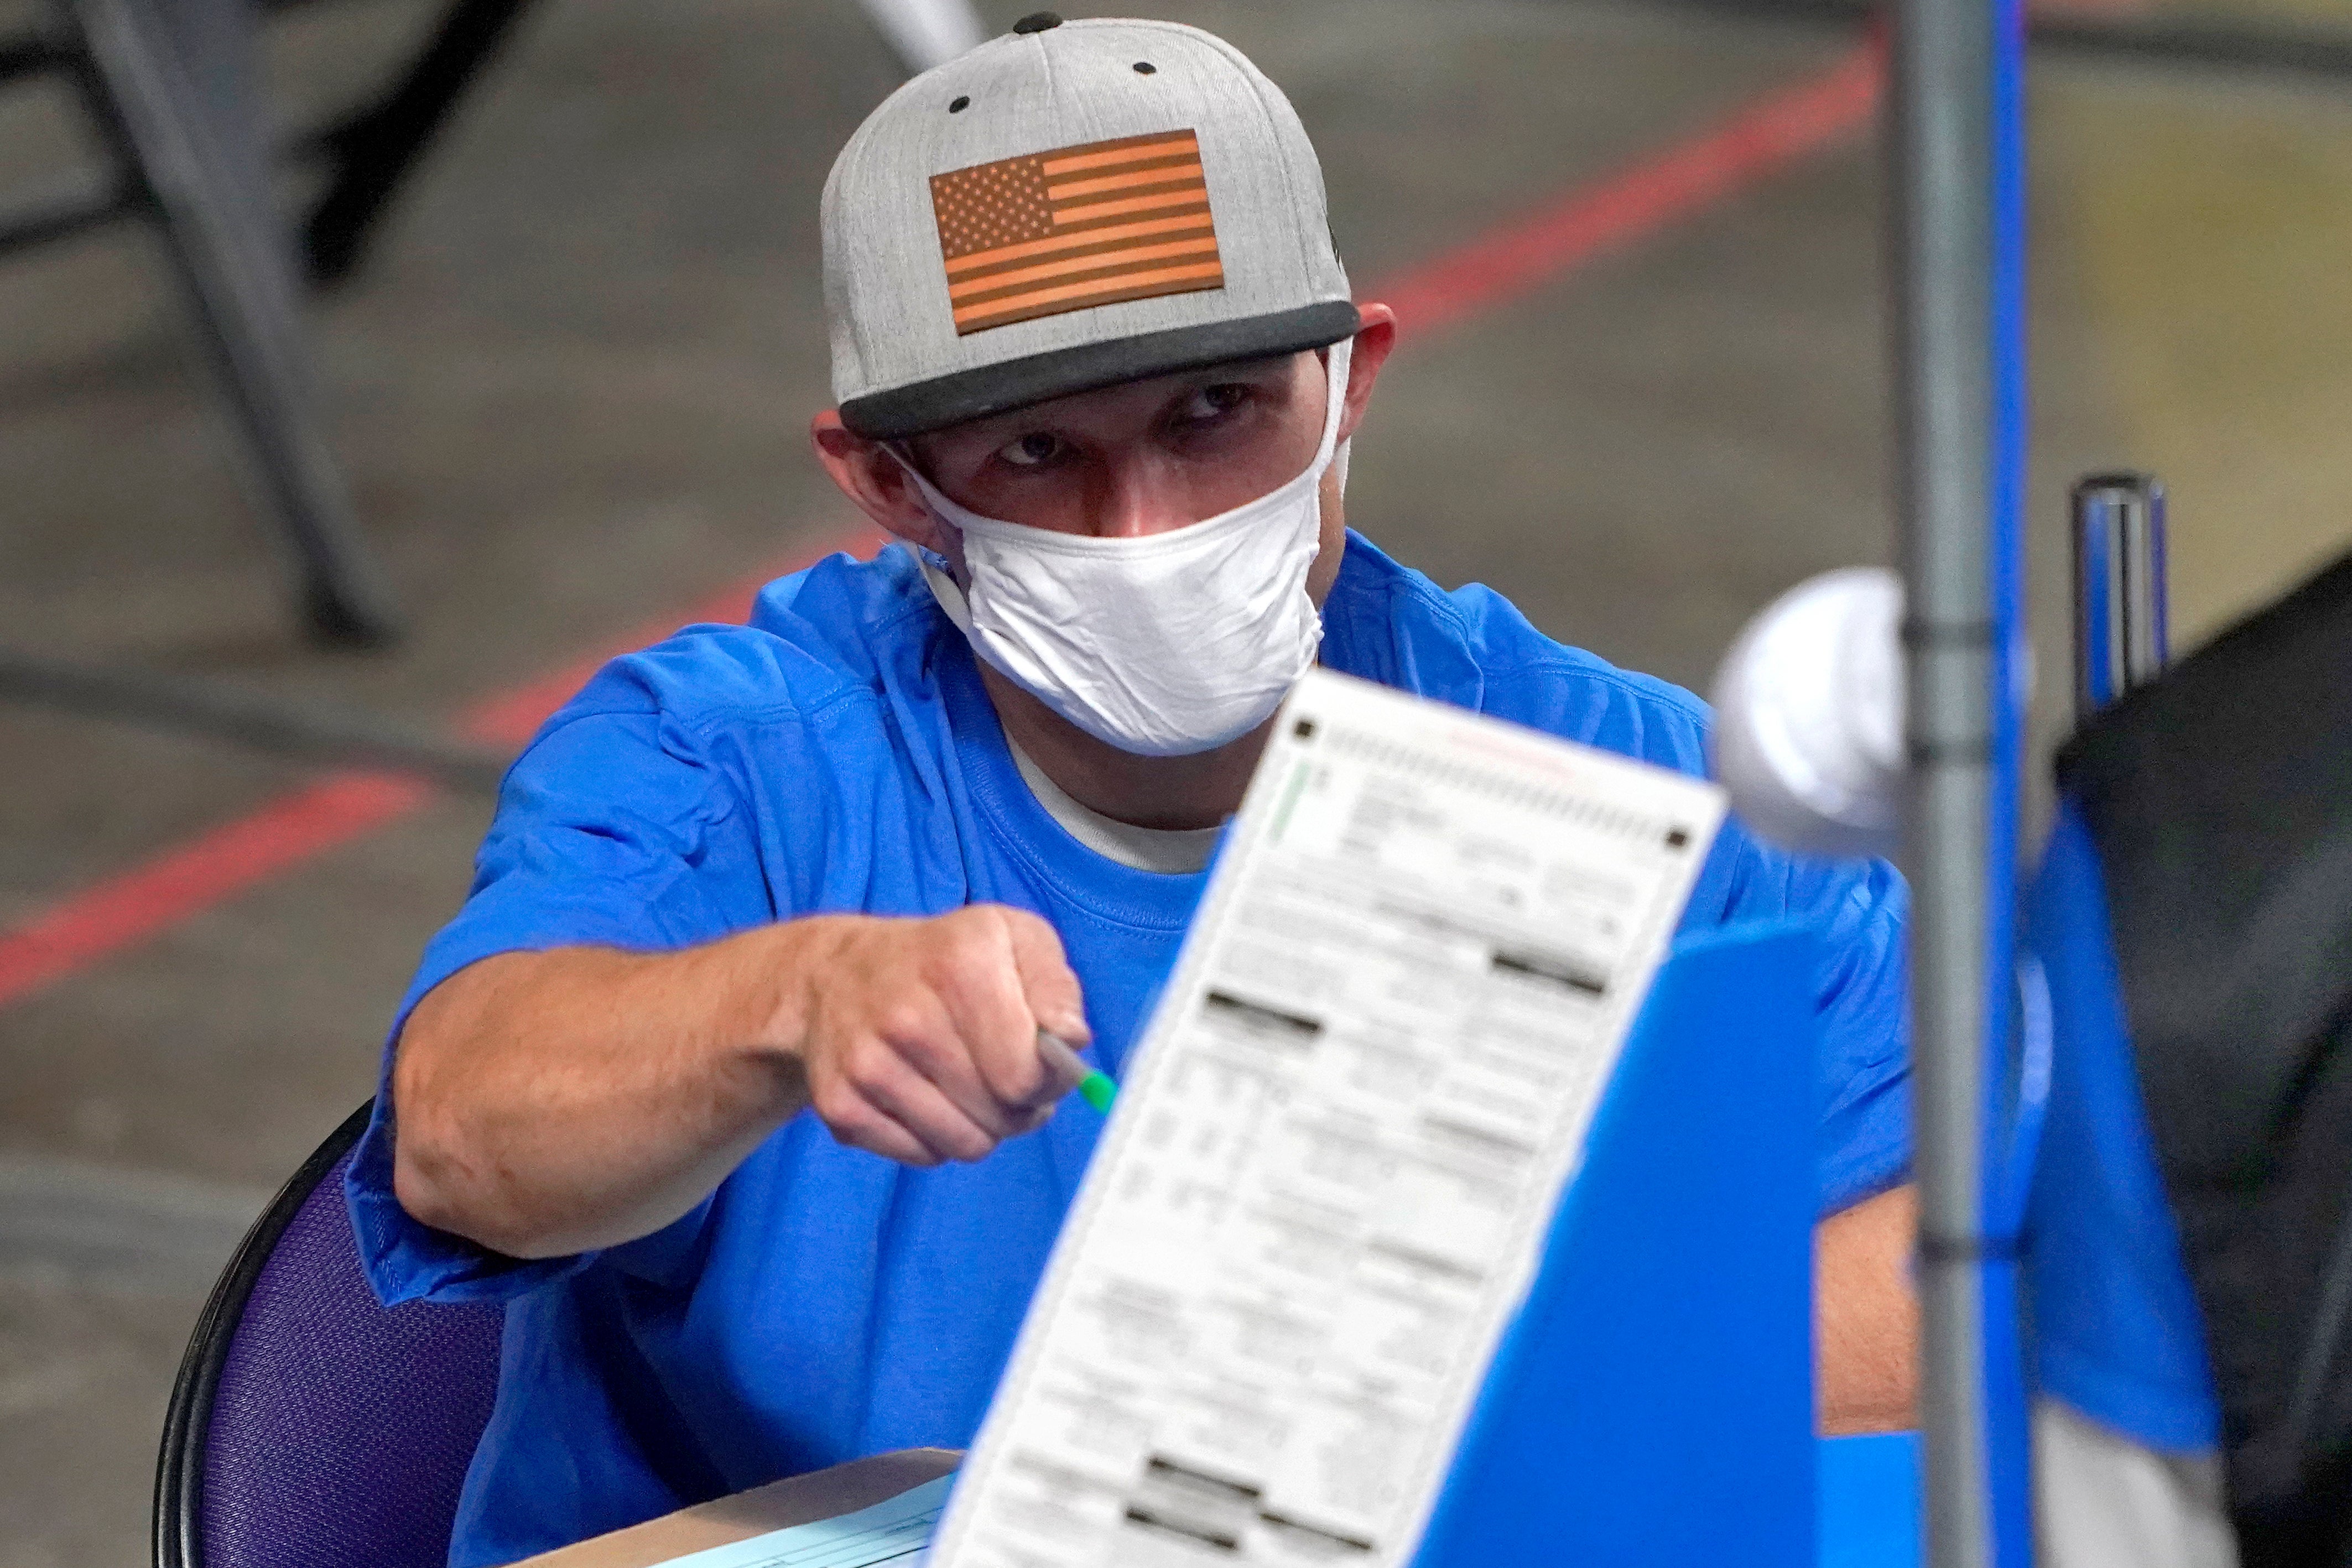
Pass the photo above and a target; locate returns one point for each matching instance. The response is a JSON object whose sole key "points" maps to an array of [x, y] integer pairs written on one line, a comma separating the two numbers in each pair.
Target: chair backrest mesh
{"points": [[341, 1431]]}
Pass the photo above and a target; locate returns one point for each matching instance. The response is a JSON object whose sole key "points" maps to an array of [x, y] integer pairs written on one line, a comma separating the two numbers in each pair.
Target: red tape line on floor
{"points": [[1638, 201], [81, 928]]}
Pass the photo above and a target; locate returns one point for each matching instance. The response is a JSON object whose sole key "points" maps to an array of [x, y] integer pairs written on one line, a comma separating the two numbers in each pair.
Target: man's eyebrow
{"points": [[999, 427], [1275, 369], [1262, 363]]}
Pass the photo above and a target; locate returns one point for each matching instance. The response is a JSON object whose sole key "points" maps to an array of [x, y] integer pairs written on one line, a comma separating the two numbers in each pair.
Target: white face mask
{"points": [[1164, 645]]}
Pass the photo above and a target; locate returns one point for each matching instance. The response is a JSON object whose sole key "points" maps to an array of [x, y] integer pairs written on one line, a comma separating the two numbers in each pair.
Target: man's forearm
{"points": [[1865, 1317], [550, 1102]]}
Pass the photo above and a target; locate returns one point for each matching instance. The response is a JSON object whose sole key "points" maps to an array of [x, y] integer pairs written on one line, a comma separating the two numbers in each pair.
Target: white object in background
{"points": [[927, 33], [1338, 1146], [1808, 715], [2102, 1501]]}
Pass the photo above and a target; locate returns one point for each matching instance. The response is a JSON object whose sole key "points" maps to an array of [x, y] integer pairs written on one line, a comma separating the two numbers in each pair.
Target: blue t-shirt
{"points": [[2115, 1329], [839, 753]]}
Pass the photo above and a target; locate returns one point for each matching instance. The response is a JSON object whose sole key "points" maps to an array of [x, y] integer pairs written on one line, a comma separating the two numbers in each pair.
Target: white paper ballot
{"points": [[1339, 1147], [890, 1533]]}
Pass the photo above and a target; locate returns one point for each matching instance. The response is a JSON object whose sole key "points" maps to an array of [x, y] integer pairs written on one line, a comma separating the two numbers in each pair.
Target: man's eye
{"points": [[1029, 451], [1210, 403]]}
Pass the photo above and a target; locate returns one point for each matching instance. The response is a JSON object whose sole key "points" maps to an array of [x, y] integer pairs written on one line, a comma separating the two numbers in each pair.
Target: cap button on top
{"points": [[1036, 22]]}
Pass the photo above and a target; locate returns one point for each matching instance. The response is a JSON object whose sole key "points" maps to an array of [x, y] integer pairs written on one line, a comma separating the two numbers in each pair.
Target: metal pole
{"points": [[1943, 189], [2121, 638], [926, 33]]}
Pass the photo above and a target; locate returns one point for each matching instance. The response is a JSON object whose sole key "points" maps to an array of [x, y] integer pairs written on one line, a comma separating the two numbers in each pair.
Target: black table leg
{"points": [[169, 82], [374, 149]]}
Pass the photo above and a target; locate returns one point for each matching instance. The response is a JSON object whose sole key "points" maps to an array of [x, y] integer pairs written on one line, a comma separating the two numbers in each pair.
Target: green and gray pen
{"points": [[1096, 1088]]}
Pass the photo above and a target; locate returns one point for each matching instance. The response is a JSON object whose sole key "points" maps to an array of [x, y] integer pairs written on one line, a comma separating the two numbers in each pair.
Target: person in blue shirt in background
{"points": [[2127, 1431], [2189, 1238], [726, 1080]]}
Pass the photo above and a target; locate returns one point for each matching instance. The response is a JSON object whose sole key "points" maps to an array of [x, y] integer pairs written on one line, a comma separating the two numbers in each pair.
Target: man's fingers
{"points": [[933, 1047], [1047, 983], [853, 1122], [984, 991], [935, 1034], [890, 1083]]}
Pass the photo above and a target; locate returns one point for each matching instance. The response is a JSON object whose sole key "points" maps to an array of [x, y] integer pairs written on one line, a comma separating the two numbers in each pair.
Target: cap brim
{"points": [[949, 400]]}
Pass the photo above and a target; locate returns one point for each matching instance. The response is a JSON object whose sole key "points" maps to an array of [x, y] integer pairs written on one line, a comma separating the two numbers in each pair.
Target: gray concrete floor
{"points": [[570, 397]]}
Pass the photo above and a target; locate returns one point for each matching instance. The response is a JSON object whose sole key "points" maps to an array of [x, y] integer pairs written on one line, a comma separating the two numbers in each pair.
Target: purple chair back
{"points": [[311, 1427]]}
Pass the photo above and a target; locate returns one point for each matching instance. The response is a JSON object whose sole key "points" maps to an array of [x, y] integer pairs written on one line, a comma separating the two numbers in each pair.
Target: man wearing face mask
{"points": [[728, 1078]]}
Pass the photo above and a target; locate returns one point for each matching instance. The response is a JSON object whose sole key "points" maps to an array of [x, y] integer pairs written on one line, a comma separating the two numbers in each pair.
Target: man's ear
{"points": [[1374, 339], [872, 477]]}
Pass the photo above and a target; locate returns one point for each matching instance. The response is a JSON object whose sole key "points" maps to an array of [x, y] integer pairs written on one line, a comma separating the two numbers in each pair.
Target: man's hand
{"points": [[553, 1102], [919, 1038]]}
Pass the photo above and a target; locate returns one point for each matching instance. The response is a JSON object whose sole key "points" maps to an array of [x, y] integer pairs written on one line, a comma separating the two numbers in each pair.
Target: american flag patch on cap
{"points": [[1092, 224]]}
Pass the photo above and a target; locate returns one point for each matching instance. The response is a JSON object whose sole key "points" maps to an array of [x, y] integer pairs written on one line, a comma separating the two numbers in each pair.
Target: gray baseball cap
{"points": [[1070, 207]]}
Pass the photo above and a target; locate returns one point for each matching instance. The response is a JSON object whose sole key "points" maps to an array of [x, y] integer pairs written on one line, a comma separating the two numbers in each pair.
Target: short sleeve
{"points": [[1866, 1132], [612, 829], [1863, 1140]]}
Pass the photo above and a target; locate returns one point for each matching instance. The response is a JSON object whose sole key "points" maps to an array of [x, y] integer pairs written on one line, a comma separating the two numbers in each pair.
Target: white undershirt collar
{"points": [[1172, 852]]}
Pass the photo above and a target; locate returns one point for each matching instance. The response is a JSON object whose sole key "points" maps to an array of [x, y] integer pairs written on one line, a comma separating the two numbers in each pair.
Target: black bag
{"points": [[2221, 798]]}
